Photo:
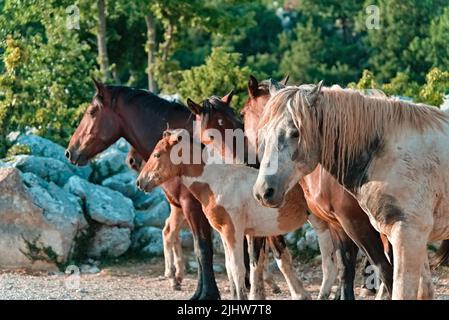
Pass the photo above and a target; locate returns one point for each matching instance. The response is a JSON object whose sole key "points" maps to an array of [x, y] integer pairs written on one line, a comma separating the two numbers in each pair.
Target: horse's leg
{"points": [[347, 251], [168, 252], [177, 249], [409, 255], [236, 261], [246, 260], [174, 264], [257, 255], [365, 291], [356, 224], [285, 264], [232, 288], [269, 279], [328, 263], [425, 291], [202, 237]]}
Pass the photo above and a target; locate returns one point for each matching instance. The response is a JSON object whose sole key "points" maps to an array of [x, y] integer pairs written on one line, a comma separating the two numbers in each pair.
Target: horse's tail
{"points": [[441, 256]]}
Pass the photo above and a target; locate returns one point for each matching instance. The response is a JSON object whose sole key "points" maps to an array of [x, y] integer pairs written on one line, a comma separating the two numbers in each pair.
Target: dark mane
{"points": [[215, 103], [144, 98]]}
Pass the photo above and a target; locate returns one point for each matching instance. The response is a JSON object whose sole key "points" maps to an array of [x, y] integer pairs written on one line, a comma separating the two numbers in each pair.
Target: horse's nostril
{"points": [[268, 194], [131, 161], [67, 154], [258, 196], [138, 184]]}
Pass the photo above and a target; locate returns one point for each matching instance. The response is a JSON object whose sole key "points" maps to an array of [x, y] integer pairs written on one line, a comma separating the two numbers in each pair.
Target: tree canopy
{"points": [[199, 48]]}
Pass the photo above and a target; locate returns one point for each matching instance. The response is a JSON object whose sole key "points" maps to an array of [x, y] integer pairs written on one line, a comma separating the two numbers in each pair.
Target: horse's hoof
{"points": [[177, 287], [179, 279], [302, 297], [210, 296], [195, 297], [257, 297], [324, 296], [276, 290], [365, 292]]}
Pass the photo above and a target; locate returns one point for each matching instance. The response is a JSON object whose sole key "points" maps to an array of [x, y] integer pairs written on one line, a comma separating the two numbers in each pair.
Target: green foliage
{"points": [[435, 88], [325, 44], [177, 17], [18, 149], [396, 45], [46, 73], [432, 92], [45, 68], [401, 84], [367, 81], [217, 76]]}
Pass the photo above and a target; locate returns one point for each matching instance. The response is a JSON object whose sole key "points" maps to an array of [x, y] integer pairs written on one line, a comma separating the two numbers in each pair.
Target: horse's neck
{"points": [[145, 126]]}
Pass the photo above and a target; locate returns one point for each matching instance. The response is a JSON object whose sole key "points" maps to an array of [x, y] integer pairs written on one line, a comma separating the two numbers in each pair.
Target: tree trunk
{"points": [[151, 48], [168, 41], [103, 59]]}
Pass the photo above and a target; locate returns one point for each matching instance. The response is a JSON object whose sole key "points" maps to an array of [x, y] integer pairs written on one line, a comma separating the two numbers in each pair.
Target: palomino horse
{"points": [[230, 208], [335, 209], [141, 117], [174, 261], [391, 155]]}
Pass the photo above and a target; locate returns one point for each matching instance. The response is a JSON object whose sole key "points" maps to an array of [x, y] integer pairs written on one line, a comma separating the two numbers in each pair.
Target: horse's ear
{"points": [[314, 94], [175, 136], [285, 80], [275, 87], [253, 87], [194, 107], [98, 86], [227, 98]]}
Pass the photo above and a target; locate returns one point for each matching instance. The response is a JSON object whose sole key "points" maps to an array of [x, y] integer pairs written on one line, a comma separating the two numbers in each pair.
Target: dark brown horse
{"points": [[141, 117], [348, 223]]}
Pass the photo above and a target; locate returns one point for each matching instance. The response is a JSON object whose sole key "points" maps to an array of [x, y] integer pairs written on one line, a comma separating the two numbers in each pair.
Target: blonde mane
{"points": [[345, 121]]}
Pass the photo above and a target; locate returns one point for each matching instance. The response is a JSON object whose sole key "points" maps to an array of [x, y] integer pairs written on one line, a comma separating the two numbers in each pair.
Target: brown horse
{"points": [[348, 223], [141, 117]]}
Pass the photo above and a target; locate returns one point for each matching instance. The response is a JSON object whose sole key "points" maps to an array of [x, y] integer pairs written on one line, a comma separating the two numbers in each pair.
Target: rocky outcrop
{"points": [[107, 164], [101, 204], [147, 241], [125, 183], [109, 242], [47, 168], [52, 212], [38, 222], [48, 149], [154, 216]]}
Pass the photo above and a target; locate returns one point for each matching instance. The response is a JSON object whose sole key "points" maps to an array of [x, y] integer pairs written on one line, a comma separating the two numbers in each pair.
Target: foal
{"points": [[173, 256], [229, 207]]}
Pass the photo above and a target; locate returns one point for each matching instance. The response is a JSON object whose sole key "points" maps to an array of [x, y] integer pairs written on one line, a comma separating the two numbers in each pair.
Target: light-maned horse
{"points": [[391, 155], [229, 207], [140, 117], [334, 210]]}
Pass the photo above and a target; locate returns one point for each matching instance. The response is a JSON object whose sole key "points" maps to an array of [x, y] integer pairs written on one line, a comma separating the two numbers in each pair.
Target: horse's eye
{"points": [[295, 134], [157, 155], [92, 111]]}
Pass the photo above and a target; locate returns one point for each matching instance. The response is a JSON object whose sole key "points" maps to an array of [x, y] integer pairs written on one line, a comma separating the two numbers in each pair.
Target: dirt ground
{"points": [[143, 280]]}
